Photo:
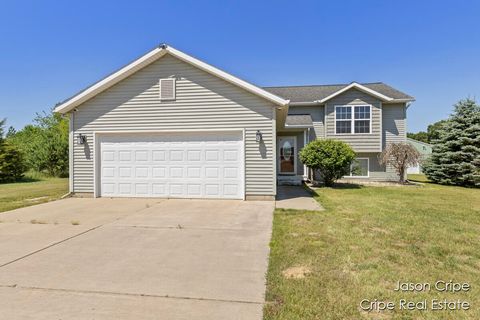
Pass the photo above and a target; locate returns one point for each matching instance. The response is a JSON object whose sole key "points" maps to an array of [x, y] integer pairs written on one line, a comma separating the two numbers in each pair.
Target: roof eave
{"points": [[110, 80], [355, 85], [304, 103], [152, 56]]}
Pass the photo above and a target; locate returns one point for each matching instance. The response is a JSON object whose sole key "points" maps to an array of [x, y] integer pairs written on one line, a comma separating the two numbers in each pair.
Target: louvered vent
{"points": [[167, 89]]}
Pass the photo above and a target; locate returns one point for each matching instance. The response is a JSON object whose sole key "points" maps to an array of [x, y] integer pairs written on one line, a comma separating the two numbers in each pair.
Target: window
{"points": [[360, 168], [343, 116], [359, 122]]}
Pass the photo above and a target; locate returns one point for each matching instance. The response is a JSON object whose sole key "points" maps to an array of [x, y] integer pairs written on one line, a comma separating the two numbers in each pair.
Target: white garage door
{"points": [[180, 165]]}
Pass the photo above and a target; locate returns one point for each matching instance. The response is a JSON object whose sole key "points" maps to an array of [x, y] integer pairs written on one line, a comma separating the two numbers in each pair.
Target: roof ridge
{"points": [[324, 85]]}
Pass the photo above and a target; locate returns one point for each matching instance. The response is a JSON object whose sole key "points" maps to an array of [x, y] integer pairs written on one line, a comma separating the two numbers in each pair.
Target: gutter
{"points": [[306, 104]]}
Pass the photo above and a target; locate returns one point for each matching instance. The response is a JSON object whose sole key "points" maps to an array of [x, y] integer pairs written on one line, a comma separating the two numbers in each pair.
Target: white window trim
{"points": [[368, 170], [174, 89], [352, 110]]}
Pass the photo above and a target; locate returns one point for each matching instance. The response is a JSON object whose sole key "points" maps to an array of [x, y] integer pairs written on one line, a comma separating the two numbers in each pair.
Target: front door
{"points": [[287, 155]]}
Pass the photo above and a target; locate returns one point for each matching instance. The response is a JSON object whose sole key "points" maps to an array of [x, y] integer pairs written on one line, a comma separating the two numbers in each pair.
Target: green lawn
{"points": [[366, 240], [34, 189]]}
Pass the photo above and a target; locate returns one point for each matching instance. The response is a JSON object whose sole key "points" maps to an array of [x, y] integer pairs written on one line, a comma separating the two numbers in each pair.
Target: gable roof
{"points": [[322, 93], [149, 58]]}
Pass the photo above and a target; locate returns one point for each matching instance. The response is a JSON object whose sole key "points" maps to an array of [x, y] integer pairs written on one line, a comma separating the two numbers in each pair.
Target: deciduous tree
{"points": [[399, 156]]}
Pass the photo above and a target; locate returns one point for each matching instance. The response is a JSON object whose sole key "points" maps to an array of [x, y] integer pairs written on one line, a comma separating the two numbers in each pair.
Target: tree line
{"points": [[41, 147]]}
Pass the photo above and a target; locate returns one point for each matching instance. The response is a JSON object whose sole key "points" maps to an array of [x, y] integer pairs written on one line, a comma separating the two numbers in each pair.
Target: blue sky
{"points": [[49, 50]]}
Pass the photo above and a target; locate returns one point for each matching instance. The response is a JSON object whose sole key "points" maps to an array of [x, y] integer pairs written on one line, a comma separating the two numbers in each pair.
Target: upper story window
{"points": [[353, 119]]}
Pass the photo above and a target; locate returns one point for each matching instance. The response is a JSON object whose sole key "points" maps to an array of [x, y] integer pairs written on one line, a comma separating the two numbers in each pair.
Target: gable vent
{"points": [[167, 89]]}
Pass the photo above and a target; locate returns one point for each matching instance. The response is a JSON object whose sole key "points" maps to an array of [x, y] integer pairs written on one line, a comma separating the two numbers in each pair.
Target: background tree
{"points": [[433, 130], [11, 161], [331, 157], [44, 144], [419, 136], [431, 134], [400, 156], [455, 156]]}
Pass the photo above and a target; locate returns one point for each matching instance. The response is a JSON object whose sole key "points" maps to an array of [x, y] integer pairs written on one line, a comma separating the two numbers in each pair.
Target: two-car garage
{"points": [[173, 165], [168, 125]]}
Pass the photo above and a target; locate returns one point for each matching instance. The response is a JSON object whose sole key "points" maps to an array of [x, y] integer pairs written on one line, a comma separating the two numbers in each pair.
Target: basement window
{"points": [[167, 89], [360, 168]]}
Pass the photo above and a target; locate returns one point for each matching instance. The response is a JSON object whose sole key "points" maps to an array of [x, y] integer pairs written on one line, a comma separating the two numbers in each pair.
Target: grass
{"points": [[366, 240], [418, 178], [33, 189]]}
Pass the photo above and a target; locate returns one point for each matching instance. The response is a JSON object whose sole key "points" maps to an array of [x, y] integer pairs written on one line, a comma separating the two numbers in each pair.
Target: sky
{"points": [[50, 50]]}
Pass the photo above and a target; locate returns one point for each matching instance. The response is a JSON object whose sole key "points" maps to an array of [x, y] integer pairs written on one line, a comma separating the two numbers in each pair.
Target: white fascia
{"points": [[359, 87], [152, 56]]}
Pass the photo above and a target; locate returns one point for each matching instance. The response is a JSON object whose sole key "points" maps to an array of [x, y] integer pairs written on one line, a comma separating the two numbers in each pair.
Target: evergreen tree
{"points": [[455, 156]]}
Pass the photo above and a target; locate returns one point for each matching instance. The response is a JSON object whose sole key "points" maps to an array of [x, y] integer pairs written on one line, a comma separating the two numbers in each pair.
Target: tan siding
{"points": [[359, 142], [202, 102], [318, 117]]}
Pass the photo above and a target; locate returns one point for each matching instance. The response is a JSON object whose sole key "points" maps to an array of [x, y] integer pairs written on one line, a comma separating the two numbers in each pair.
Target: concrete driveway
{"points": [[135, 259]]}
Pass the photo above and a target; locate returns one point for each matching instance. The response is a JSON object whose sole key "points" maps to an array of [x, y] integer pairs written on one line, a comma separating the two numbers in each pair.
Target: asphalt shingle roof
{"points": [[318, 92], [304, 120]]}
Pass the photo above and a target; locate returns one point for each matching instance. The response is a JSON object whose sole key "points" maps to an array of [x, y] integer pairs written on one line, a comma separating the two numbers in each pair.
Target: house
{"points": [[170, 125], [425, 151]]}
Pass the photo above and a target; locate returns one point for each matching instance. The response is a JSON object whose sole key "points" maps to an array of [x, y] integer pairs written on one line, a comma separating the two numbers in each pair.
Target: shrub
{"points": [[331, 157], [12, 165]]}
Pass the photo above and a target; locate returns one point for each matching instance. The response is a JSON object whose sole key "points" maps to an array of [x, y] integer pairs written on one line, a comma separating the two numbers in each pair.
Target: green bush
{"points": [[331, 157], [12, 165]]}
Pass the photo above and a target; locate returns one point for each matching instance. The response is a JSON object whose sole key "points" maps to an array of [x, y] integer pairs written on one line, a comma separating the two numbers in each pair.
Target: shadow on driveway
{"points": [[296, 197]]}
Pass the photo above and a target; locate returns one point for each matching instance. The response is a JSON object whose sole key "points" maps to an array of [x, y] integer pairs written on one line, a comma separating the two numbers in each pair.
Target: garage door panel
{"points": [[141, 155], [196, 165], [158, 172], [158, 155], [124, 155]]}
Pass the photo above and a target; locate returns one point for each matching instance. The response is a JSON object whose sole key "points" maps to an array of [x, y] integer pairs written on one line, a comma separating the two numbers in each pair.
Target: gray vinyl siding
{"points": [[393, 131], [377, 172], [394, 119], [359, 142], [318, 118], [203, 102]]}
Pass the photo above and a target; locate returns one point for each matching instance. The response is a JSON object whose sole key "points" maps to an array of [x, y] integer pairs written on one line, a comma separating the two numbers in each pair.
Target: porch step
{"points": [[289, 180]]}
